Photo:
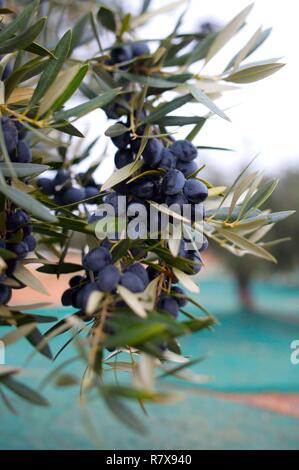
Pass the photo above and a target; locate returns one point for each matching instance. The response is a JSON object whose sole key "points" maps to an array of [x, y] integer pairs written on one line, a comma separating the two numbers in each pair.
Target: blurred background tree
{"points": [[283, 241]]}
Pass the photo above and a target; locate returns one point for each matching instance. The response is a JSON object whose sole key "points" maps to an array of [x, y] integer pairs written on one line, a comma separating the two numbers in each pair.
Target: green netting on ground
{"points": [[246, 352]]}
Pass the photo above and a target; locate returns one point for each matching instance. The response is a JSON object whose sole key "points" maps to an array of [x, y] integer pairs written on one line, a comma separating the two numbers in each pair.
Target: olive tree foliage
{"points": [[142, 87], [280, 238]]}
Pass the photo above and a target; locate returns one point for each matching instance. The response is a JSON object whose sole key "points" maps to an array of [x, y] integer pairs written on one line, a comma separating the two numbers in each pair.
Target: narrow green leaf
{"points": [[167, 108], [145, 6], [75, 224], [261, 195], [17, 334], [27, 202], [134, 393], [52, 68], [255, 45], [181, 120], [135, 335], [65, 85], [279, 216], [243, 53], [67, 128], [244, 184], [196, 129], [125, 24], [200, 96], [66, 380], [138, 21], [150, 80], [35, 338], [78, 32], [26, 277], [249, 74], [115, 130], [64, 268], [19, 23], [208, 147], [236, 181], [22, 170], [24, 391], [107, 19], [228, 32], [198, 53], [37, 49], [245, 244], [25, 72], [7, 254], [85, 108], [123, 413], [120, 175], [24, 39]]}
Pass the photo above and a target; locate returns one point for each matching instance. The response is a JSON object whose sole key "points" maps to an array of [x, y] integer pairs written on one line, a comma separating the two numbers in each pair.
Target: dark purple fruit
{"points": [[180, 296], [66, 298], [11, 265], [90, 191], [143, 188], [169, 305], [112, 199], [140, 48], [84, 293], [152, 273], [123, 157], [187, 168], [30, 242], [22, 131], [10, 134], [7, 71], [184, 150], [93, 218], [61, 177], [121, 54], [177, 199], [76, 280], [132, 282], [20, 249], [73, 195], [152, 153], [16, 220], [22, 153], [195, 191], [123, 140], [46, 185], [173, 182], [108, 278], [140, 271], [168, 160], [5, 294], [97, 259]]}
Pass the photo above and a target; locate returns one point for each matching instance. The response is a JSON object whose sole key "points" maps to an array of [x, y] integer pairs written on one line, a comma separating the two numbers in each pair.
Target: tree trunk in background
{"points": [[245, 295]]}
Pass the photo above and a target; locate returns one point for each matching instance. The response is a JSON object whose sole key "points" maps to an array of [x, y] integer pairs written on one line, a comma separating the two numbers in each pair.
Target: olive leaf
{"points": [[52, 68], [24, 275], [228, 32]]}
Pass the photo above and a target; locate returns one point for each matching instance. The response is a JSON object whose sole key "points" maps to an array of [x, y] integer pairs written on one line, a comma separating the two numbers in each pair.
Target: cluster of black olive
{"points": [[14, 133], [174, 182], [65, 190], [101, 275], [18, 240]]}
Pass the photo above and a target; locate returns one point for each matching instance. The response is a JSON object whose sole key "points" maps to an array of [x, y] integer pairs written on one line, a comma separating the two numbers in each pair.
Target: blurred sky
{"points": [[263, 114]]}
